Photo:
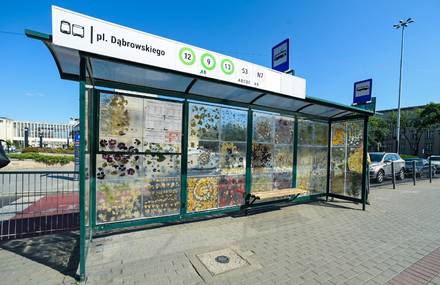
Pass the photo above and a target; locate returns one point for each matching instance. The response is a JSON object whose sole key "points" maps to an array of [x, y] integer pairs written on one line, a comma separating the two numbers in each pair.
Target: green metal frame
{"points": [[295, 152], [82, 206]]}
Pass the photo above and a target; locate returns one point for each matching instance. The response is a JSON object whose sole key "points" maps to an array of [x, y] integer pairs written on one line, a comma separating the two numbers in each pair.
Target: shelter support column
{"points": [[329, 145], [365, 167]]}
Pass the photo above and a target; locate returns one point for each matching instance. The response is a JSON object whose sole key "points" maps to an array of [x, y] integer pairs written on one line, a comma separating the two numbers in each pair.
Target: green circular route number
{"points": [[187, 56], [227, 66], [208, 61]]}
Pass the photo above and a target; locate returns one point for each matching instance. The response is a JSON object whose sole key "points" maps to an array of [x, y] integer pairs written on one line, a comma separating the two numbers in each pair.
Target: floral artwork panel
{"points": [[119, 166], [118, 200], [354, 171], [232, 158], [263, 128], [162, 165], [284, 130], [283, 158], [262, 156], [355, 159], [202, 193], [338, 134], [163, 126], [120, 123], [321, 133], [312, 168], [262, 182], [161, 196], [231, 190], [305, 129], [204, 122], [233, 125], [355, 133], [282, 180], [204, 158]]}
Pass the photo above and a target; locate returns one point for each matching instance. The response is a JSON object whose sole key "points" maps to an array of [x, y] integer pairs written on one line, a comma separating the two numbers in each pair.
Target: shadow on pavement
{"points": [[58, 251]]}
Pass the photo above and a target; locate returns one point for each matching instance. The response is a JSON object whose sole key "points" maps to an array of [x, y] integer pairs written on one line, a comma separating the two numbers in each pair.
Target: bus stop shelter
{"points": [[159, 145]]}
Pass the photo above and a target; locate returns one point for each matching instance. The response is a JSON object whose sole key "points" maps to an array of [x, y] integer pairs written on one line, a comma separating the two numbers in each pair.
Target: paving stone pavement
{"points": [[319, 243]]}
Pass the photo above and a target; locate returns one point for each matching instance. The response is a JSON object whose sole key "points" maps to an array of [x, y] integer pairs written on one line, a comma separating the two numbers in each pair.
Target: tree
{"points": [[414, 123], [378, 131]]}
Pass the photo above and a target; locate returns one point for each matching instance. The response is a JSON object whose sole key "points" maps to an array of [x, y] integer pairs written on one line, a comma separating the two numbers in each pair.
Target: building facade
{"points": [[429, 141], [53, 134]]}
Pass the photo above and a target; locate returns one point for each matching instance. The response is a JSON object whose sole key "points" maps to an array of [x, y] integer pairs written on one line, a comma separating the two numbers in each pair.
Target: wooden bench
{"points": [[291, 193]]}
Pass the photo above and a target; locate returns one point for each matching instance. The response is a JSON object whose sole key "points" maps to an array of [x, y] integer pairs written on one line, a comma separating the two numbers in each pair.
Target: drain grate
{"points": [[222, 259]]}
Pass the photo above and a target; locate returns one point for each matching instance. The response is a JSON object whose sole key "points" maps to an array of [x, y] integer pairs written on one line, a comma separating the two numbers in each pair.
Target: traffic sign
{"points": [[280, 56], [362, 91]]}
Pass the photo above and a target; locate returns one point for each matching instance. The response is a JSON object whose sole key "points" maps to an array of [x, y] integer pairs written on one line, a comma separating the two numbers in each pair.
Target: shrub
{"points": [[31, 149], [46, 159]]}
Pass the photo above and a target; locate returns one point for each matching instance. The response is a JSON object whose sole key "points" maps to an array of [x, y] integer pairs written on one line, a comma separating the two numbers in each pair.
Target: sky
{"points": [[333, 44]]}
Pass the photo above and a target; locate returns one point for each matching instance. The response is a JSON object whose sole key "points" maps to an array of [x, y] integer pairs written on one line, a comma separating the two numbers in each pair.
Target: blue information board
{"points": [[280, 56], [362, 91]]}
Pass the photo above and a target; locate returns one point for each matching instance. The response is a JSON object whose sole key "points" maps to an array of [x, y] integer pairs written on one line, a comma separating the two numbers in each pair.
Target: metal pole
{"points": [[393, 175], [400, 91], [430, 170], [414, 172]]}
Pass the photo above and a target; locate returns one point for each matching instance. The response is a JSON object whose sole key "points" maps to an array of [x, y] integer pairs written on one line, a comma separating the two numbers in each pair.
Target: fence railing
{"points": [[38, 202], [413, 174]]}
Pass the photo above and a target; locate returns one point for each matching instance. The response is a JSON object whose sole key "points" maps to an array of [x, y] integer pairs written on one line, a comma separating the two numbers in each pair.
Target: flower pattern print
{"points": [[231, 190], [204, 122], [263, 128], [120, 125], [116, 165], [233, 125], [232, 158], [161, 196], [262, 155], [284, 131], [202, 193], [117, 201]]}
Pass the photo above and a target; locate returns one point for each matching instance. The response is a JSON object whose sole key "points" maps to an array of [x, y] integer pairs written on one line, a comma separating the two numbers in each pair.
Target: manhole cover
{"points": [[222, 259]]}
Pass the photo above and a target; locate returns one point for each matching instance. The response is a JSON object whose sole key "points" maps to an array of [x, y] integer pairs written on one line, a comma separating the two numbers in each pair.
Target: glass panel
{"points": [[217, 146], [312, 156], [272, 152], [347, 158], [130, 74], [138, 169]]}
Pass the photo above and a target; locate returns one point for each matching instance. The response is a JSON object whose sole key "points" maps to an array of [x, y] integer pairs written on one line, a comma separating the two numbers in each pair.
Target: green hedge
{"points": [[46, 159], [31, 149]]}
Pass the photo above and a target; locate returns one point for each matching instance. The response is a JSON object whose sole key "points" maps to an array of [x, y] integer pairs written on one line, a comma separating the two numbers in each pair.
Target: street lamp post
{"points": [[402, 24]]}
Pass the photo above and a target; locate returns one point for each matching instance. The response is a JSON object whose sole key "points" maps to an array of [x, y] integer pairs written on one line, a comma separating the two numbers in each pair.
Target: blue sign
{"points": [[280, 56], [362, 91]]}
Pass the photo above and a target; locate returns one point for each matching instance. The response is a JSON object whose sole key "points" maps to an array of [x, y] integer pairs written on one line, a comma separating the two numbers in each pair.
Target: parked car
{"points": [[435, 160], [422, 167], [380, 166]]}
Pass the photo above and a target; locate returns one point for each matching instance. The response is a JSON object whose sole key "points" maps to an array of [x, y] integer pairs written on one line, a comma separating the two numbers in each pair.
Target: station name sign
{"points": [[81, 32]]}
